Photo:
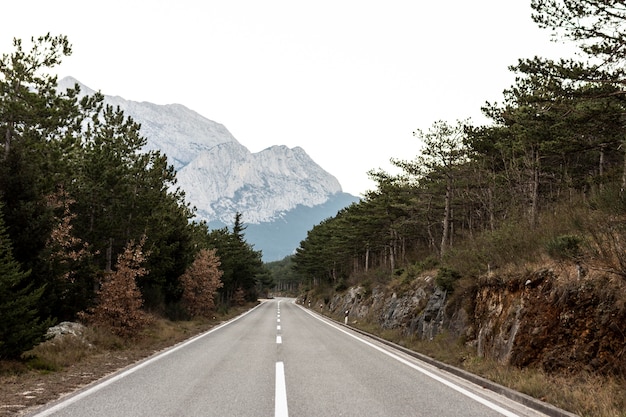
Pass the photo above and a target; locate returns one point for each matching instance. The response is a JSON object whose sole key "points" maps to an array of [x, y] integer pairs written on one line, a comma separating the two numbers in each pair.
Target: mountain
{"points": [[280, 192]]}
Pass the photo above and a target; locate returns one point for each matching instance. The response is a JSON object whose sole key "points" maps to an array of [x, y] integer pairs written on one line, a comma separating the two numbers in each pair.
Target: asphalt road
{"points": [[284, 360]]}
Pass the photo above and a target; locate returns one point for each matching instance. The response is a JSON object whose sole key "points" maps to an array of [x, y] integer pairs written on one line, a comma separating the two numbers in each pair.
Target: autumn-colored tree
{"points": [[67, 268], [65, 248], [200, 283], [119, 298]]}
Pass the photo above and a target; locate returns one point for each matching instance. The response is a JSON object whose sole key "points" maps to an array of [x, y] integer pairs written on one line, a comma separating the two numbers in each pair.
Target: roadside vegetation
{"points": [[81, 354], [92, 226], [541, 186], [94, 229]]}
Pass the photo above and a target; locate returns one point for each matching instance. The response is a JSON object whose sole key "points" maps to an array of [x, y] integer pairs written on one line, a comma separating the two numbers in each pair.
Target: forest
{"points": [[546, 176], [91, 226], [94, 228]]}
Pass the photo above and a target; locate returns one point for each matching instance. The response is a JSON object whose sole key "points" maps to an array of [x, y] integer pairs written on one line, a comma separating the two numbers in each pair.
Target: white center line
{"points": [[279, 339], [280, 399], [277, 327]]}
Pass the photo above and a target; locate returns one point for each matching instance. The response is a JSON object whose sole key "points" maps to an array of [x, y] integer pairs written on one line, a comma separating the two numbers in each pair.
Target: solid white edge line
{"points": [[280, 396], [129, 371], [444, 381]]}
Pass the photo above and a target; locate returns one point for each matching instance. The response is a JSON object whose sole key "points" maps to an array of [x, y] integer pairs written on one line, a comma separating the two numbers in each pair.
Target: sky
{"points": [[349, 81]]}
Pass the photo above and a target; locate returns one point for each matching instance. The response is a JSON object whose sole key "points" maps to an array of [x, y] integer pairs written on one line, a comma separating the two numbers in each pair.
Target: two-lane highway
{"points": [[282, 359]]}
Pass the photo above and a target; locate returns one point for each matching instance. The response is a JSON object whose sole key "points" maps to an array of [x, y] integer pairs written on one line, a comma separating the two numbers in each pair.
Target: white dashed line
{"points": [[280, 399]]}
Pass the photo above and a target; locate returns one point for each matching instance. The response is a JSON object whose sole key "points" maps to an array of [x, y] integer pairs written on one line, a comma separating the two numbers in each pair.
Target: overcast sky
{"points": [[347, 80]]}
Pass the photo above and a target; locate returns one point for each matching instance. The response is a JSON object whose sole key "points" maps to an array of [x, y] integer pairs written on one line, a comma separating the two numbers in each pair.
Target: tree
{"points": [[124, 192], [239, 261], [30, 105], [35, 127], [119, 299], [67, 260], [444, 151], [597, 27], [33, 117], [20, 327], [200, 284]]}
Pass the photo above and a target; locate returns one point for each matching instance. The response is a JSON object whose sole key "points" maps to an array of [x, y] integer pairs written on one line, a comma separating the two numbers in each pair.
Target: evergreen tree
{"points": [[35, 122], [240, 262], [20, 325]]}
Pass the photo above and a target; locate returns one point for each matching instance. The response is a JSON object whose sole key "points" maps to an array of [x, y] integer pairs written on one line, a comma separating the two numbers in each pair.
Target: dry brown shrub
{"points": [[200, 283], [119, 298]]}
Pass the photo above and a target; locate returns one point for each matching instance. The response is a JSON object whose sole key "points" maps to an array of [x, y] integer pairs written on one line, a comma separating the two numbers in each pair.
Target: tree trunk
{"points": [[392, 250], [623, 171], [446, 221], [534, 207]]}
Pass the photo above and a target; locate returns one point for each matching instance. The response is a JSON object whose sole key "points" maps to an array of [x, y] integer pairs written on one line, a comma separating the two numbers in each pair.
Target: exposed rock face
{"points": [[418, 310], [221, 177], [546, 318]]}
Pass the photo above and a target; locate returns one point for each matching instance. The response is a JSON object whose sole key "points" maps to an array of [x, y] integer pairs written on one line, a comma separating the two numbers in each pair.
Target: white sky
{"points": [[347, 80]]}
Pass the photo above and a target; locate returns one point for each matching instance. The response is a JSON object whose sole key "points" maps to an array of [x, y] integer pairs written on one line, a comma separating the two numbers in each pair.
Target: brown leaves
{"points": [[119, 298], [200, 283], [65, 249]]}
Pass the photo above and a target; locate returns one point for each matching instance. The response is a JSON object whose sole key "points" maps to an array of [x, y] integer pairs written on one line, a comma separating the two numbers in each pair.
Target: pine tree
{"points": [[200, 284], [20, 325], [239, 261]]}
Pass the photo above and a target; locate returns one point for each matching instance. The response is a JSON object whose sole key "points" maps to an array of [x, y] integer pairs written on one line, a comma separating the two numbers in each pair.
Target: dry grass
{"points": [[582, 393]]}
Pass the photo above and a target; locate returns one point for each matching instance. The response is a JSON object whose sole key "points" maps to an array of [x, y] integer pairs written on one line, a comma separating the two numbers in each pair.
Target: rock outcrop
{"points": [[550, 318]]}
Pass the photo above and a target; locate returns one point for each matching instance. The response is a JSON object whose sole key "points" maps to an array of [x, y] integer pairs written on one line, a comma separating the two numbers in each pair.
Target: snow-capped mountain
{"points": [[221, 177]]}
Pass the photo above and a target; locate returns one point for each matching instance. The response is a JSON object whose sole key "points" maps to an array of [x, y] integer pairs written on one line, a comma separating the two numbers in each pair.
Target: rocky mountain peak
{"points": [[219, 175]]}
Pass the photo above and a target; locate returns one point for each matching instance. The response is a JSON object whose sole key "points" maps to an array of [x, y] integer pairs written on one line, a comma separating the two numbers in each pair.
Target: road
{"points": [[283, 360]]}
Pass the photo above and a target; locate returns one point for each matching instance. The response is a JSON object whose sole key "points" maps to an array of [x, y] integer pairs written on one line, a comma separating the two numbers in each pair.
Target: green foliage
{"points": [[430, 262], [114, 192], [446, 279], [565, 247], [20, 327], [341, 286], [241, 264]]}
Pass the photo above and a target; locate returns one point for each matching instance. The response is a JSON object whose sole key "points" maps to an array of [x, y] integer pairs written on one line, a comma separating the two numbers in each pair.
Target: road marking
{"points": [[277, 327], [424, 371], [280, 398], [279, 339], [277, 320], [132, 370]]}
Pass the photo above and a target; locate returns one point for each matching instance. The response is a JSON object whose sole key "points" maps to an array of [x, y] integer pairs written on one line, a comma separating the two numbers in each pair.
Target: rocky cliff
{"points": [[550, 318], [222, 177]]}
